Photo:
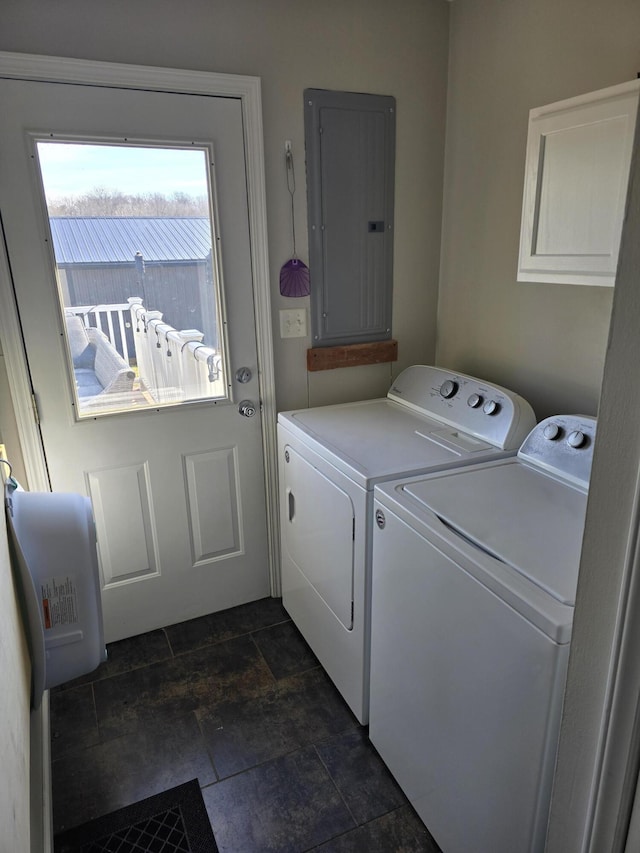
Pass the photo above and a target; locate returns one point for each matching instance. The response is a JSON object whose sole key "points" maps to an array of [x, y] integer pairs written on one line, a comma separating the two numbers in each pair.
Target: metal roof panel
{"points": [[116, 239]]}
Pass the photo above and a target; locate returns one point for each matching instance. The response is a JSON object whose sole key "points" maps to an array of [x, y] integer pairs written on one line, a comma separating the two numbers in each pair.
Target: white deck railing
{"points": [[173, 365], [107, 318]]}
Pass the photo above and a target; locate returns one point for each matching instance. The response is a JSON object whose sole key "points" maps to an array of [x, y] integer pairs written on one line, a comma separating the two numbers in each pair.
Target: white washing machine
{"points": [[474, 580], [330, 459]]}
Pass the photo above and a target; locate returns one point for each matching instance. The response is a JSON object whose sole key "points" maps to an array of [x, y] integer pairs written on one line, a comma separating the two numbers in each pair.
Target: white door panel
{"points": [[178, 492]]}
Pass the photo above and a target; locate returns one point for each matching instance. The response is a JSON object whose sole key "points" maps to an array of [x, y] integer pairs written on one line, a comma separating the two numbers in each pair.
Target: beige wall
{"points": [[374, 46], [14, 713], [546, 341]]}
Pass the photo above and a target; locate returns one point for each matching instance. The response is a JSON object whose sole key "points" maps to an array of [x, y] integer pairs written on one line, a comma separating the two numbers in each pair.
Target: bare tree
{"points": [[105, 202]]}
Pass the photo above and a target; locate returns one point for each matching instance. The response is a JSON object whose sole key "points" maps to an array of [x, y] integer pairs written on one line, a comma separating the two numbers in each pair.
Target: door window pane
{"points": [[137, 272]]}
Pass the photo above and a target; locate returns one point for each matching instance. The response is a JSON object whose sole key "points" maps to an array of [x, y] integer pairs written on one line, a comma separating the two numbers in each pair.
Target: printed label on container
{"points": [[59, 602]]}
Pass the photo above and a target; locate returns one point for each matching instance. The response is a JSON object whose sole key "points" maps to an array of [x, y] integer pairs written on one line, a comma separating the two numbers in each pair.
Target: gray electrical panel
{"points": [[350, 154]]}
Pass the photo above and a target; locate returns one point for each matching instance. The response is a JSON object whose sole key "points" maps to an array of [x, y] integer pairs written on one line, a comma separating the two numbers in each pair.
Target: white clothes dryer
{"points": [[474, 582], [330, 459]]}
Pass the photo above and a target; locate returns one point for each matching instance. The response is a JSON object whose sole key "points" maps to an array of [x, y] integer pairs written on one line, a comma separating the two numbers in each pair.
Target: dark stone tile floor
{"points": [[237, 700]]}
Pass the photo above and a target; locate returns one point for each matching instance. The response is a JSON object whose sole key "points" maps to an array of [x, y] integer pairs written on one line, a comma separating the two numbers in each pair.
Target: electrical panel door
{"points": [[350, 153]]}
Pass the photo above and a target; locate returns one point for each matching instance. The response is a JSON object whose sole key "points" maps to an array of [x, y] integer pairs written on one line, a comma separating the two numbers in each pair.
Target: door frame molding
{"points": [[50, 69]]}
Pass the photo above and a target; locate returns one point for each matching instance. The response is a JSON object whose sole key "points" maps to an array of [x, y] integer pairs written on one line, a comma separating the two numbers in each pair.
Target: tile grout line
{"points": [[95, 713], [208, 751], [335, 785], [168, 639], [263, 658], [249, 633]]}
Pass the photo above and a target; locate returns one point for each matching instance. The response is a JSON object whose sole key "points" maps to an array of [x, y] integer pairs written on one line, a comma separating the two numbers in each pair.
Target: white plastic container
{"points": [[54, 550]]}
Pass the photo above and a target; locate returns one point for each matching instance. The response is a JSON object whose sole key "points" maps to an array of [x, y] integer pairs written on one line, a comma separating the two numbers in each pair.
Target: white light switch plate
{"points": [[293, 323]]}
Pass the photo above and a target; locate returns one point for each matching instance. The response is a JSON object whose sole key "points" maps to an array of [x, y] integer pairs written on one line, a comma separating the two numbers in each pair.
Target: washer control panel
{"points": [[562, 444], [489, 412]]}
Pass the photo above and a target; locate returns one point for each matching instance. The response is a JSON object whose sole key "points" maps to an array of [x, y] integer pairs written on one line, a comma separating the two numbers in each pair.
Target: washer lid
{"points": [[379, 439], [529, 519]]}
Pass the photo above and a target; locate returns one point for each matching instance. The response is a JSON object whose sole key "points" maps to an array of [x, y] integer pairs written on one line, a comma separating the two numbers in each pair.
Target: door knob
{"points": [[246, 408]]}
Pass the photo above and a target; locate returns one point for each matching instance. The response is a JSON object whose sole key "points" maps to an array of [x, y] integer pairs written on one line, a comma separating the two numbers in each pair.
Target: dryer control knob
{"points": [[474, 401], [448, 388], [491, 407], [576, 439], [552, 432]]}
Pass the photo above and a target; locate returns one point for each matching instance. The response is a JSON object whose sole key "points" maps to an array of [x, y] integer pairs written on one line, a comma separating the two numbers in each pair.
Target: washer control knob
{"points": [[576, 439], [448, 388], [491, 407], [474, 401], [552, 432]]}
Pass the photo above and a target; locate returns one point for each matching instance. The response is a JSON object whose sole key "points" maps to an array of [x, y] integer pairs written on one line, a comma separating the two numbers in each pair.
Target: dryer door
{"points": [[317, 535]]}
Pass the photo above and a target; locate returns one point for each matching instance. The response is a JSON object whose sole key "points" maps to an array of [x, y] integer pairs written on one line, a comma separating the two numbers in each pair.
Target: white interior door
{"points": [[175, 472]]}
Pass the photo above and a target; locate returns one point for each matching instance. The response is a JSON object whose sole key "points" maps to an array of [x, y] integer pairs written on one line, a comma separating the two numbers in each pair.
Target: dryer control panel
{"points": [[489, 412], [562, 444]]}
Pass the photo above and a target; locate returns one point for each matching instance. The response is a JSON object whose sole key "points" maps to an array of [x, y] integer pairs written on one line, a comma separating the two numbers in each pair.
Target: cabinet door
{"points": [[576, 176]]}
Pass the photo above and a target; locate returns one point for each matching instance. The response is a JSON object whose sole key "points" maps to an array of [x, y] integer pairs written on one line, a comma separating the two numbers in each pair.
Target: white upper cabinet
{"points": [[575, 187]]}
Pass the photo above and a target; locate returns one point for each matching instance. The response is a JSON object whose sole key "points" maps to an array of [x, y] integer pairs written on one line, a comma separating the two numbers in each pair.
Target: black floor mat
{"points": [[174, 821]]}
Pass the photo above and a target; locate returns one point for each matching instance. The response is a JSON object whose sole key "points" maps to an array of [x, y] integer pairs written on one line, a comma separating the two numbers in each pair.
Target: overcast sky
{"points": [[70, 169]]}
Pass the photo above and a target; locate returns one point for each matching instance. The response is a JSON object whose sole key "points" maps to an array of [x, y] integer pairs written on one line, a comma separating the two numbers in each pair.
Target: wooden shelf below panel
{"points": [[351, 355]]}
